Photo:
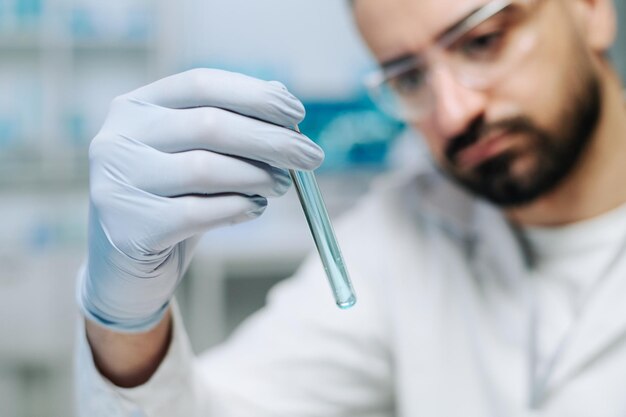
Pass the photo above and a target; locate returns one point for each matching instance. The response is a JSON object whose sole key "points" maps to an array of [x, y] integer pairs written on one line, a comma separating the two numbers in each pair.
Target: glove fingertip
{"points": [[259, 204], [260, 201], [314, 161], [279, 85]]}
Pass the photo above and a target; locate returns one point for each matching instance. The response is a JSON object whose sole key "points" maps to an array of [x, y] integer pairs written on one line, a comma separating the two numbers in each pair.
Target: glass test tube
{"points": [[324, 237]]}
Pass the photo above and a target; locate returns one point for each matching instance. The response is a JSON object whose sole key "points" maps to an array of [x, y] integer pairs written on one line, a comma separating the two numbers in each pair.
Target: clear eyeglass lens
{"points": [[478, 59], [482, 56]]}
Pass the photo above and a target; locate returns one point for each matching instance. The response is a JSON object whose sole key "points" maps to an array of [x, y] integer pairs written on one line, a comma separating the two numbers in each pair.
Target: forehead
{"points": [[395, 27]]}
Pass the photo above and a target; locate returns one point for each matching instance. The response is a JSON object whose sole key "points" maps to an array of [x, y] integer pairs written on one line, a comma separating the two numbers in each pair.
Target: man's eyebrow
{"points": [[460, 24], [398, 61], [447, 33]]}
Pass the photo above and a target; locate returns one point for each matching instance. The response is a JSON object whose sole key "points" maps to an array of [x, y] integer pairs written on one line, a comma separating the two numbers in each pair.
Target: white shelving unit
{"points": [[59, 68], [59, 72]]}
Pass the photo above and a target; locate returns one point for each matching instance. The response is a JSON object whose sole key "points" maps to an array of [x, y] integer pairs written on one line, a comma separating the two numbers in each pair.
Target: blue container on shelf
{"points": [[352, 133]]}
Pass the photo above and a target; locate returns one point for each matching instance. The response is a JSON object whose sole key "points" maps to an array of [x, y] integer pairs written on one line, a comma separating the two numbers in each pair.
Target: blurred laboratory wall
{"points": [[62, 61]]}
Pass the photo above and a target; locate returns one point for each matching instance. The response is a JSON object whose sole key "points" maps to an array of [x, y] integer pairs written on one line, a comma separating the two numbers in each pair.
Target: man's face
{"points": [[516, 140]]}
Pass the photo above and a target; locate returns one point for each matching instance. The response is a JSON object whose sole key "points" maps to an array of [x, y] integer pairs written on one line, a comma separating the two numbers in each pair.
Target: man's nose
{"points": [[455, 106]]}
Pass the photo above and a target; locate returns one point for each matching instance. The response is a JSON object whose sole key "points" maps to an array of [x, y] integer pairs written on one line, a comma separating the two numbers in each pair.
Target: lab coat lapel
{"points": [[601, 327], [500, 265], [491, 242], [496, 256], [498, 245], [498, 253]]}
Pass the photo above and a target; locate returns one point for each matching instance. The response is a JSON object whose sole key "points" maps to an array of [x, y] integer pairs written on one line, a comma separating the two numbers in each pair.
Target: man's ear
{"points": [[597, 21]]}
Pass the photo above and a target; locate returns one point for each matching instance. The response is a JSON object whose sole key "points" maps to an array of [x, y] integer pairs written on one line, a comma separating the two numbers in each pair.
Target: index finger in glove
{"points": [[217, 130], [204, 87]]}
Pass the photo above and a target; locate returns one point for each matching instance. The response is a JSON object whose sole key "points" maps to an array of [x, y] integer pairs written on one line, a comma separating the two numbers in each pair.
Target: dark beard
{"points": [[555, 154]]}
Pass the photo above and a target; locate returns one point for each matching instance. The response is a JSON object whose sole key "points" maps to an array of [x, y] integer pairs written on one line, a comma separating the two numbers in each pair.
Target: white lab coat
{"points": [[441, 328]]}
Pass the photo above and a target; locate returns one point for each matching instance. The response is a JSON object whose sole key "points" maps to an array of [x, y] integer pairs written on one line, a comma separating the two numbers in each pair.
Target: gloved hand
{"points": [[175, 158]]}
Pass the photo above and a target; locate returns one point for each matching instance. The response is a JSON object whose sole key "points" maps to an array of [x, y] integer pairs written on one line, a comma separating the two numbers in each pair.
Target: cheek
{"points": [[539, 87]]}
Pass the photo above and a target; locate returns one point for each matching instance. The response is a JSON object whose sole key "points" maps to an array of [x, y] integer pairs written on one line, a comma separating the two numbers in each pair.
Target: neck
{"points": [[597, 184]]}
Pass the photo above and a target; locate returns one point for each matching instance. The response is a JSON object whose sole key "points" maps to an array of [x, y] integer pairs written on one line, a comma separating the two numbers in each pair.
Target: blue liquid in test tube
{"points": [[324, 237]]}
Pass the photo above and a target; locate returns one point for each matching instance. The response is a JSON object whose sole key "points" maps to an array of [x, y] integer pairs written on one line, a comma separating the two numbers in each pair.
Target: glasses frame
{"points": [[374, 80]]}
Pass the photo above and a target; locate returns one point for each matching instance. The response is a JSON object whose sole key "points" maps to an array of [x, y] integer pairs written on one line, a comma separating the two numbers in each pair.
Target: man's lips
{"points": [[483, 149]]}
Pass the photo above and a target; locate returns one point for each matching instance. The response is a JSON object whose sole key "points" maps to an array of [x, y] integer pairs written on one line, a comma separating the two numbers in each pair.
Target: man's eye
{"points": [[408, 82], [484, 46]]}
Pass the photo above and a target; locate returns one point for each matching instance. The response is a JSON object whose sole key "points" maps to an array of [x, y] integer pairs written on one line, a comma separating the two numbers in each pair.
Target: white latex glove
{"points": [[175, 158]]}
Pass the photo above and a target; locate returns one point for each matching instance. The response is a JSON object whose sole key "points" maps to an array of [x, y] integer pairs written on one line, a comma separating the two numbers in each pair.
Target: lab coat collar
{"points": [[439, 201], [478, 225], [601, 327], [493, 242]]}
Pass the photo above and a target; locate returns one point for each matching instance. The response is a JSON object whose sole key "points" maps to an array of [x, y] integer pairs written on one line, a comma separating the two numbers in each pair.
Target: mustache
{"points": [[479, 129]]}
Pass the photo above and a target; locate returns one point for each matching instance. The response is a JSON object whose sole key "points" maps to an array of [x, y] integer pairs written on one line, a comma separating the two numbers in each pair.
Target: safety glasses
{"points": [[478, 51]]}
